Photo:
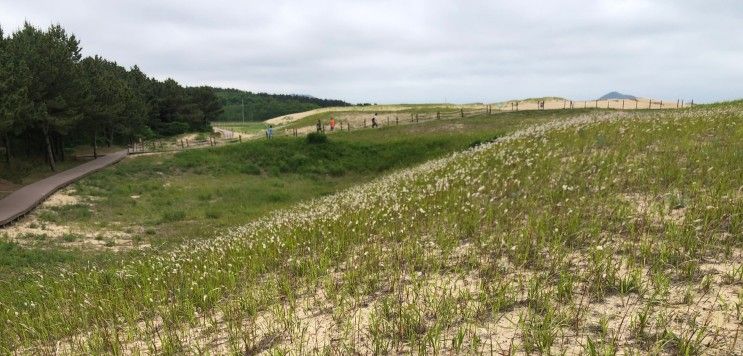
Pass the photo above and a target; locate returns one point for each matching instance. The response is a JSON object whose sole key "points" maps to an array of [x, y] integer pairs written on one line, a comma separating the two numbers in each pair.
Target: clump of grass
{"points": [[315, 138], [70, 237], [212, 214], [170, 216]]}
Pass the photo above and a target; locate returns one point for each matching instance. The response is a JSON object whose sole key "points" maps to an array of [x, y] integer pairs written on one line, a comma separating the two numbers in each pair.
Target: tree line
{"points": [[244, 105], [52, 98]]}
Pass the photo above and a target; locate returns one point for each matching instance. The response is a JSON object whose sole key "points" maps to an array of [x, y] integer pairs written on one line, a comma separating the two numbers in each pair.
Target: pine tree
{"points": [[55, 92]]}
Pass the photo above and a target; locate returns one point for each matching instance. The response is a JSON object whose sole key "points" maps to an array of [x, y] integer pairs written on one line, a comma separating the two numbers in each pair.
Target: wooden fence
{"points": [[153, 146], [411, 118]]}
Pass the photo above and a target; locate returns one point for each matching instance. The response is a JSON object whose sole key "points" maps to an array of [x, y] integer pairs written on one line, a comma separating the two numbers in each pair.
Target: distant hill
{"points": [[262, 106], [616, 95], [544, 98]]}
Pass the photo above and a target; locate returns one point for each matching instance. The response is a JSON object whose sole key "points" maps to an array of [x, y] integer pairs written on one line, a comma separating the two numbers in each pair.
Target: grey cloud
{"points": [[417, 51]]}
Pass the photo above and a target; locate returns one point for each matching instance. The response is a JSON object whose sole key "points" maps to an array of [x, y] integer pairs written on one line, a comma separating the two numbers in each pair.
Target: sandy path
{"points": [[282, 120], [226, 134], [529, 104]]}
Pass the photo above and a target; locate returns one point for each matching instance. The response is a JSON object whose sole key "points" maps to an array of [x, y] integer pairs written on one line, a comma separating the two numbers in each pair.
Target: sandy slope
{"points": [[527, 104]]}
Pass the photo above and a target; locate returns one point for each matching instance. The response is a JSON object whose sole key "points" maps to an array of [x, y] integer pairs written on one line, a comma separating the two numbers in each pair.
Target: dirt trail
{"points": [[356, 114]]}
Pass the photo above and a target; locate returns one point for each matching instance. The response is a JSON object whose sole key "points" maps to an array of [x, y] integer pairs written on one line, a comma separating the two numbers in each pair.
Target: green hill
{"points": [[583, 232], [242, 105]]}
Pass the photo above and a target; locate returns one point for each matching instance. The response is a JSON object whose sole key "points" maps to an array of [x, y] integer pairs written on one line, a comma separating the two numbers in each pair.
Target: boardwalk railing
{"points": [[178, 145]]}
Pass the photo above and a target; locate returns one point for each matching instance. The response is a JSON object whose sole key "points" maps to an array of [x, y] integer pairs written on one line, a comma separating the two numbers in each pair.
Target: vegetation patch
{"points": [[532, 243]]}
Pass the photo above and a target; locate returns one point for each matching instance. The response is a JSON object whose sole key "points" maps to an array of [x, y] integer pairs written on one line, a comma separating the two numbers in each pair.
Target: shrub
{"points": [[249, 168], [173, 215], [316, 138], [212, 214]]}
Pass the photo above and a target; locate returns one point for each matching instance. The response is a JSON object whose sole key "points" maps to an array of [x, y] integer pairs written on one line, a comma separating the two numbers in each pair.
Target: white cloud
{"points": [[417, 51]]}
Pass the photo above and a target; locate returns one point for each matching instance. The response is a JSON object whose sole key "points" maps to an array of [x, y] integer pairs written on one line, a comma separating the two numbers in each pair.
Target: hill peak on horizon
{"points": [[617, 95]]}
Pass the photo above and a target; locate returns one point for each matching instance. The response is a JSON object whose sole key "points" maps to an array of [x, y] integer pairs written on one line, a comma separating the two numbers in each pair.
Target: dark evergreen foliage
{"points": [[239, 104], [52, 98]]}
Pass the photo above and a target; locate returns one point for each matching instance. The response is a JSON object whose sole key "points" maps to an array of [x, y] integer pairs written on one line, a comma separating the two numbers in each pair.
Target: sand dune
{"points": [[357, 114]]}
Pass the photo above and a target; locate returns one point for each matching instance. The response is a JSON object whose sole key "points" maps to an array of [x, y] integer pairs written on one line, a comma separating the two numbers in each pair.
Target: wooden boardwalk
{"points": [[20, 202]]}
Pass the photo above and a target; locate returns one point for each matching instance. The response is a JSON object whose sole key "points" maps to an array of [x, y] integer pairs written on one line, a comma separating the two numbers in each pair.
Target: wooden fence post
{"points": [[661, 104], [240, 137], [438, 115], [461, 112], [388, 121], [186, 142], [182, 147], [364, 123], [416, 117], [636, 101], [396, 121], [650, 103]]}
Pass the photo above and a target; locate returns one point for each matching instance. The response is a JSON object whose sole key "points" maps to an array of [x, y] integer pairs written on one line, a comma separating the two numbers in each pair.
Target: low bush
{"points": [[316, 138]]}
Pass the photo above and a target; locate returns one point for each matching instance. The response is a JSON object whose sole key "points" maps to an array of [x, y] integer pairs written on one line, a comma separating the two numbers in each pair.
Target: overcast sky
{"points": [[417, 51]]}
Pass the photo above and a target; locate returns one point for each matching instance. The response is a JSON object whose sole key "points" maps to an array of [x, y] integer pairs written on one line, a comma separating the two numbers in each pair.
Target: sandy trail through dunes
{"points": [[356, 114]]}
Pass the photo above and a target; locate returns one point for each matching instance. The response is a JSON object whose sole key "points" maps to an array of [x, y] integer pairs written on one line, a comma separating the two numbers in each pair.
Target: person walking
{"points": [[332, 123], [269, 132], [374, 120]]}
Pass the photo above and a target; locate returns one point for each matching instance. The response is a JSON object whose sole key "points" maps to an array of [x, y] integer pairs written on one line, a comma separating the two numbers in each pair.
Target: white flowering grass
{"points": [[526, 244]]}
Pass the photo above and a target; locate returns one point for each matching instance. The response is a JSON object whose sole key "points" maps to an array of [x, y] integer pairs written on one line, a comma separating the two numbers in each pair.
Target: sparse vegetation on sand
{"points": [[161, 200], [591, 234]]}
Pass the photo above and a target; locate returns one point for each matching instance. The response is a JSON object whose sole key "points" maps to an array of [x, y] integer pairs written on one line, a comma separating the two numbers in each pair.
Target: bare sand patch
{"points": [[656, 210], [63, 197], [34, 231]]}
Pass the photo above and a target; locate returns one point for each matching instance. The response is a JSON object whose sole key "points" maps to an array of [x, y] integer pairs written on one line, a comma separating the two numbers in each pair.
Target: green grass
{"points": [[246, 127], [191, 193], [12, 254], [168, 199], [586, 234]]}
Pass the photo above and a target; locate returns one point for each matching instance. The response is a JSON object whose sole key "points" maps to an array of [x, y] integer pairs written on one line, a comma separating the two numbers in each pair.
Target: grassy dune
{"points": [[159, 201], [592, 233]]}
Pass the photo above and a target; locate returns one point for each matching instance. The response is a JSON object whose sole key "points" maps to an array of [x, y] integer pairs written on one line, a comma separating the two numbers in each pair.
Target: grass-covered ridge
{"points": [[595, 233], [158, 201]]}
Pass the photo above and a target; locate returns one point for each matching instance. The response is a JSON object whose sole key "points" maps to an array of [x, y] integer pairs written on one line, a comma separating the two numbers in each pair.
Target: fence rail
{"points": [[394, 119], [157, 146]]}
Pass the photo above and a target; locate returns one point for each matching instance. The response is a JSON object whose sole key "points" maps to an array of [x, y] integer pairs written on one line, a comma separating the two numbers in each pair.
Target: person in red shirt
{"points": [[332, 123]]}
